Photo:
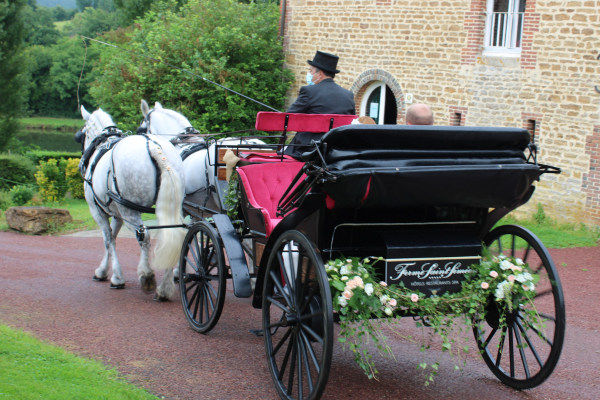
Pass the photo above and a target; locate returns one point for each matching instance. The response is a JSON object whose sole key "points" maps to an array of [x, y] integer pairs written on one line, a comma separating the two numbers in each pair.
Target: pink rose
{"points": [[511, 278], [382, 283], [347, 294], [493, 274], [525, 288], [484, 285], [392, 302], [414, 297]]}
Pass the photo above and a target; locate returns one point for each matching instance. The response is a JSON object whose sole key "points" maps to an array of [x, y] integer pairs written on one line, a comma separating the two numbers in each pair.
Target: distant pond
{"points": [[50, 140]]}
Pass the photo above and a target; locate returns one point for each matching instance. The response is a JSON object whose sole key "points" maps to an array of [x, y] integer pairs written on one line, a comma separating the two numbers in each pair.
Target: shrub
{"points": [[21, 194], [233, 44], [5, 200], [44, 155], [15, 170], [73, 178], [50, 177]]}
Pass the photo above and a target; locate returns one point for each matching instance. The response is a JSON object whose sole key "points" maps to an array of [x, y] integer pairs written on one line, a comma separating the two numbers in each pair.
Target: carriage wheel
{"points": [[202, 277], [297, 318], [524, 353]]}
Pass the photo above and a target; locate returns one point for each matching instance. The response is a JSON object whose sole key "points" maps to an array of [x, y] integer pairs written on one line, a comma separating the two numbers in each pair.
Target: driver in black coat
{"points": [[321, 96]]}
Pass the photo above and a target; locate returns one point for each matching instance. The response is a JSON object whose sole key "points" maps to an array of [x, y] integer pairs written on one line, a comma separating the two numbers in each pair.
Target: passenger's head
{"points": [[419, 114]]}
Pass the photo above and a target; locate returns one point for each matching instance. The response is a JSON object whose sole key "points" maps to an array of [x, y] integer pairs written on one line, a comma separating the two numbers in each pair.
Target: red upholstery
{"points": [[275, 121], [264, 185], [265, 157]]}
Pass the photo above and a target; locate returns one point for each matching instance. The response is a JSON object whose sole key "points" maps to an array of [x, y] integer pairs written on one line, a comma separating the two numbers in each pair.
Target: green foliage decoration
{"points": [[50, 177], [362, 302], [16, 170], [74, 179], [227, 42]]}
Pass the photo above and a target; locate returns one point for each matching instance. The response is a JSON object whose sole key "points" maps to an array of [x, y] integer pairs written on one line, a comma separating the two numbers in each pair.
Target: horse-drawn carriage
{"points": [[423, 199]]}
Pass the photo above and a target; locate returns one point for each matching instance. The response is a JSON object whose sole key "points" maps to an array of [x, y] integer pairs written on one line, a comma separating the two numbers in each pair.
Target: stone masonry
{"points": [[433, 49]]}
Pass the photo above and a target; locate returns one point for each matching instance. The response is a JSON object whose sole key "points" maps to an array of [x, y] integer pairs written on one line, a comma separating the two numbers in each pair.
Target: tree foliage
{"points": [[55, 88], [224, 41], [39, 26], [11, 64]]}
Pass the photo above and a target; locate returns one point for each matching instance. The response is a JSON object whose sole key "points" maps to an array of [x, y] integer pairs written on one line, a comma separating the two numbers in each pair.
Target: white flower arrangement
{"points": [[360, 300]]}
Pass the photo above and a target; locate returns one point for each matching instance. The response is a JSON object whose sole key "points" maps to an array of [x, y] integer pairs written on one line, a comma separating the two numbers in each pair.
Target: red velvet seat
{"points": [[263, 185]]}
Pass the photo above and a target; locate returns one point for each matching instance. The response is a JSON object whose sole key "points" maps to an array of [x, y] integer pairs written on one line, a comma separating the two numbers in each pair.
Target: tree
{"points": [[130, 10], [224, 41], [11, 79], [54, 73], [92, 22], [39, 26]]}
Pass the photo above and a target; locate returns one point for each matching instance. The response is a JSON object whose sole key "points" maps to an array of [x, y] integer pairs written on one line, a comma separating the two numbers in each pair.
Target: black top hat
{"points": [[325, 61]]}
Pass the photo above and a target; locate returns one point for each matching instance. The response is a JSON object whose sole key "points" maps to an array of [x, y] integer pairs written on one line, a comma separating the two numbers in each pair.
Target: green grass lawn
{"points": [[52, 123], [31, 369]]}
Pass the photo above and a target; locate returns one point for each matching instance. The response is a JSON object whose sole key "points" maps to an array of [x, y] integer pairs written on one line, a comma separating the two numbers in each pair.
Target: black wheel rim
{"points": [[524, 353], [202, 278], [297, 318]]}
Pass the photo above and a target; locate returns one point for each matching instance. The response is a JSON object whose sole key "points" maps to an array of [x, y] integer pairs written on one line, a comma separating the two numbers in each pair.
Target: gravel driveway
{"points": [[46, 289]]}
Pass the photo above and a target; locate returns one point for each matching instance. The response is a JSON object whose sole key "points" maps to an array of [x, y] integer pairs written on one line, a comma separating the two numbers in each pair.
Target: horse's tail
{"points": [[169, 211]]}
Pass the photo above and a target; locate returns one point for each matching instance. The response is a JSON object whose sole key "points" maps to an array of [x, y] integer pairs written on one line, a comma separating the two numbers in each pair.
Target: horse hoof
{"points": [[97, 279], [119, 286], [148, 283], [160, 299]]}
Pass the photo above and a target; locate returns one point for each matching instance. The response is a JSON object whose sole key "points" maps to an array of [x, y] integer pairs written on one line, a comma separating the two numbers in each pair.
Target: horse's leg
{"points": [[110, 252], [145, 274], [166, 289], [115, 227]]}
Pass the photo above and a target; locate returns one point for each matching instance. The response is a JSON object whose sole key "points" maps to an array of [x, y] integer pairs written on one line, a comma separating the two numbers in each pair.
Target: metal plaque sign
{"points": [[431, 276]]}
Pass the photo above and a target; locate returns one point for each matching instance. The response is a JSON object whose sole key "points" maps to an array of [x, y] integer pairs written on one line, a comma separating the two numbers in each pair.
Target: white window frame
{"points": [[509, 29], [368, 92]]}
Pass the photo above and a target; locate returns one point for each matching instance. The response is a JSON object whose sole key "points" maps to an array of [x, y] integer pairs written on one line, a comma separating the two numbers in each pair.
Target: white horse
{"points": [[198, 162], [125, 176]]}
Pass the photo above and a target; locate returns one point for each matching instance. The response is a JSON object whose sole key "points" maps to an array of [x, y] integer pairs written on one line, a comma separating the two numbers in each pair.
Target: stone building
{"points": [[517, 63]]}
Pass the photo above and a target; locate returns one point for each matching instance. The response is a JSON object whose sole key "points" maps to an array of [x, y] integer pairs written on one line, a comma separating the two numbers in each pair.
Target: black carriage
{"points": [[414, 196]]}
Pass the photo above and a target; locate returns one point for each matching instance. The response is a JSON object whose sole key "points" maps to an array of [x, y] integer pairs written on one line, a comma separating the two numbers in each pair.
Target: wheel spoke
{"points": [[311, 351], [544, 293], [529, 343], [282, 341], [490, 337], [521, 351], [280, 288], [292, 372], [511, 351], [500, 347]]}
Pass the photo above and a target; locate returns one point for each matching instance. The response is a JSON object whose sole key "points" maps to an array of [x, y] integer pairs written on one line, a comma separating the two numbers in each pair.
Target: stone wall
{"points": [[434, 51]]}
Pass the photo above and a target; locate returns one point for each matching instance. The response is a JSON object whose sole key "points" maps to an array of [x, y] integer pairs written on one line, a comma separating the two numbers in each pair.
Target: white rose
{"points": [[342, 301], [369, 289]]}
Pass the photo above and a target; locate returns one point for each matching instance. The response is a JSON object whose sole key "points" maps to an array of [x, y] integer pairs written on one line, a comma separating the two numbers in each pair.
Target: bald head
{"points": [[419, 114]]}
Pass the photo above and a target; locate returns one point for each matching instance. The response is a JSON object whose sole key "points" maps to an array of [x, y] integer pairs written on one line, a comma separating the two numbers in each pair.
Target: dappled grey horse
{"points": [[124, 177], [198, 156]]}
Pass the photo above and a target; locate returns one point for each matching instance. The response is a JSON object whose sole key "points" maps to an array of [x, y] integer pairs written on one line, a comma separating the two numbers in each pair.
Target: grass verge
{"points": [[79, 210], [51, 123], [32, 369]]}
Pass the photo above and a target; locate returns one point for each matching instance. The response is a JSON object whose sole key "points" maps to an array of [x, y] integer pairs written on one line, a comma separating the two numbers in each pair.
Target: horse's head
{"points": [[96, 124], [164, 122]]}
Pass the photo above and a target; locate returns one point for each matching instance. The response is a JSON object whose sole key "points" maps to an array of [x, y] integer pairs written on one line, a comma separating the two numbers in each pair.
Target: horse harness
{"points": [[101, 144], [178, 139]]}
